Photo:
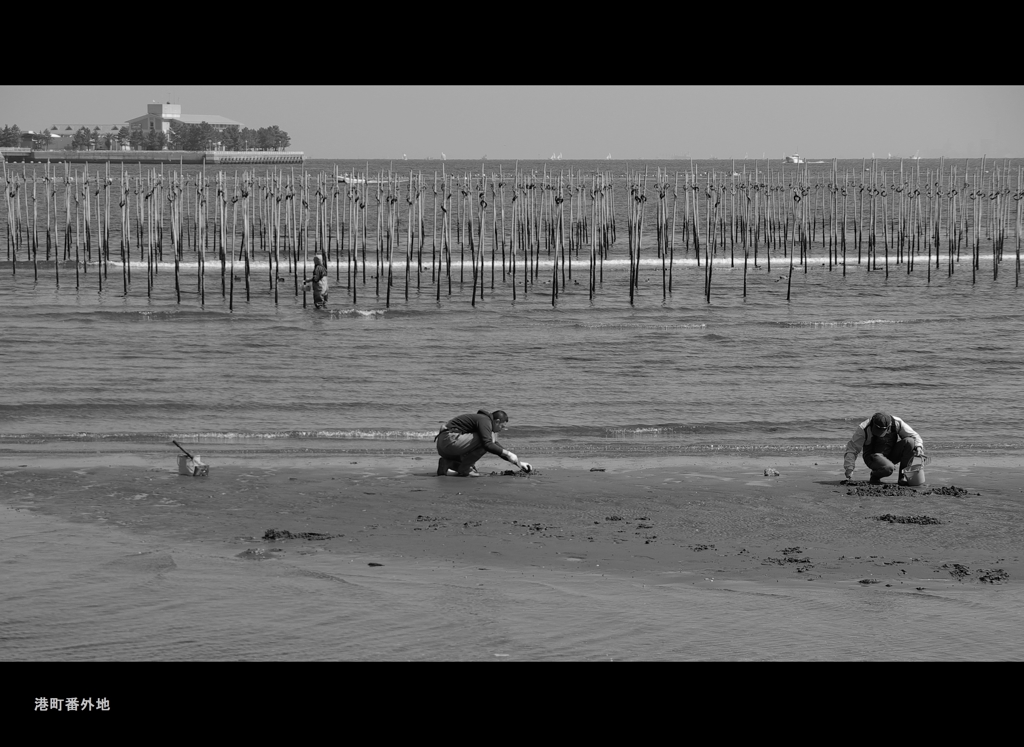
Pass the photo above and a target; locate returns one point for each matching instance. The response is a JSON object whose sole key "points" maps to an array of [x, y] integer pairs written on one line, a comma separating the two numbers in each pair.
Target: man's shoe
{"points": [[875, 480]]}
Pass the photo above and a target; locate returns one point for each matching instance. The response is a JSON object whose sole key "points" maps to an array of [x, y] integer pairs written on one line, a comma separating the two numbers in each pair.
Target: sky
{"points": [[576, 121]]}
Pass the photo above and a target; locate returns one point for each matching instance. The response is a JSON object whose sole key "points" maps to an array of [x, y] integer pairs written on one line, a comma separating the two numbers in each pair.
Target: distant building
{"points": [[160, 116], [105, 135], [58, 136]]}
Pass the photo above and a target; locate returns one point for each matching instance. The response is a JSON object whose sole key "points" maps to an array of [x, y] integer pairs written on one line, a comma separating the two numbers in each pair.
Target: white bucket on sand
{"points": [[192, 466], [914, 473]]}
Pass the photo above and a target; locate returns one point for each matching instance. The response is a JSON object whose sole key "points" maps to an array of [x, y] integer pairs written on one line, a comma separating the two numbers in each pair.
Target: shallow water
{"points": [[92, 593], [681, 375]]}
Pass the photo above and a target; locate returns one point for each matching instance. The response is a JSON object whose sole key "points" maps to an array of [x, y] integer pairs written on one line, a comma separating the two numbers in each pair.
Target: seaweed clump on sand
{"points": [[993, 575], [913, 519], [951, 490], [882, 490], [959, 571], [515, 473], [282, 534]]}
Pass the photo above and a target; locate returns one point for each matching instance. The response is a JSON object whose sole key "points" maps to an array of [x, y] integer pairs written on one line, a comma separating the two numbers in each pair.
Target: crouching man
{"points": [[886, 441]]}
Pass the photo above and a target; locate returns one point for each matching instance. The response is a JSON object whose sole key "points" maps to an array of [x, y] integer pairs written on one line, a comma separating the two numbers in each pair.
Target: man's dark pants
{"points": [[883, 465]]}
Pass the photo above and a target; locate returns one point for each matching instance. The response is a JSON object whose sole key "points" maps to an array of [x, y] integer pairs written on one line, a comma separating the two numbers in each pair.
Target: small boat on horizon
{"points": [[795, 158]]}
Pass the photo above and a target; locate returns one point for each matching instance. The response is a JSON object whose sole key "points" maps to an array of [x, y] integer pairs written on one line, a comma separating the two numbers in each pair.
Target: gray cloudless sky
{"points": [[576, 121]]}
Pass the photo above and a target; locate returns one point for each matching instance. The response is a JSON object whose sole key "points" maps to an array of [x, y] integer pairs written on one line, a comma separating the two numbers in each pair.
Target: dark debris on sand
{"points": [[993, 575], [960, 571], [785, 560], [254, 553], [951, 490], [912, 519], [282, 534], [883, 490]]}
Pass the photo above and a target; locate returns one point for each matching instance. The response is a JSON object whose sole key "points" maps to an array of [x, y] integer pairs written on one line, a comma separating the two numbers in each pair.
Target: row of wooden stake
{"points": [[525, 217]]}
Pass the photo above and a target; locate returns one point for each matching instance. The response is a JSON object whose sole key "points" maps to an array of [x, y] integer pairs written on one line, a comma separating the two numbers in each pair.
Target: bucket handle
{"points": [[180, 447]]}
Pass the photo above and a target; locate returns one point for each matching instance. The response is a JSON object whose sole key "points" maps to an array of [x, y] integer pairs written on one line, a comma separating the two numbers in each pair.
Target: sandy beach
{"points": [[714, 523], [111, 558], [698, 517]]}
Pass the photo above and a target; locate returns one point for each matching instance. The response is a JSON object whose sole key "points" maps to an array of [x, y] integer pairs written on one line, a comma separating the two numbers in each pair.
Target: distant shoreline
{"points": [[149, 157]]}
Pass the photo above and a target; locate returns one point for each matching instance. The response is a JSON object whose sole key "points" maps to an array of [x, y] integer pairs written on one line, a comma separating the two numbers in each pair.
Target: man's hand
{"points": [[849, 473]]}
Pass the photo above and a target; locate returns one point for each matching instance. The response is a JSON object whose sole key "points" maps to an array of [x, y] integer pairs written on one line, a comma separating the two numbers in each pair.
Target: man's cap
{"points": [[881, 420]]}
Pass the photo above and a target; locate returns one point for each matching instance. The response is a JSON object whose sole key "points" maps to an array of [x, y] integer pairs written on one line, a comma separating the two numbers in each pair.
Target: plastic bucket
{"points": [[185, 465], [914, 473], [192, 467]]}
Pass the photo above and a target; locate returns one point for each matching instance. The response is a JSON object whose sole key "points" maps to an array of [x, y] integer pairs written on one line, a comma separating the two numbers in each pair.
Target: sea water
{"points": [[677, 375]]}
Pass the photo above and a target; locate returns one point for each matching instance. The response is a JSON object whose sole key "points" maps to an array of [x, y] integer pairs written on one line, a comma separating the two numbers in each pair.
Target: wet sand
{"points": [[113, 558], [693, 519]]}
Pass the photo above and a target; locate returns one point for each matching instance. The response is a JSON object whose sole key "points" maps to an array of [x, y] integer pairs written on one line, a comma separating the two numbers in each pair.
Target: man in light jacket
{"points": [[885, 440]]}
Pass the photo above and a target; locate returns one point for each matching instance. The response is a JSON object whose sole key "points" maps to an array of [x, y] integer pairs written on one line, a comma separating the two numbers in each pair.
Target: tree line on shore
{"points": [[182, 136]]}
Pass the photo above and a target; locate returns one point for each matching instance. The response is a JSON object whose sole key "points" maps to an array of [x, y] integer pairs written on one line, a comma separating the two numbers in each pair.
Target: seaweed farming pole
{"points": [[172, 196], [218, 229], [504, 242], [885, 224], [410, 219], [201, 229], [712, 245], [559, 245], [7, 224], [515, 235], [662, 233], [445, 257], [709, 236], [640, 232], [492, 184], [247, 241], [339, 229], [379, 197], [125, 205], [422, 230], [86, 216], [388, 247], [672, 232], [1017, 195], [234, 232], [480, 236], [789, 282], [631, 231], [34, 240], [593, 238], [351, 268], [433, 235]]}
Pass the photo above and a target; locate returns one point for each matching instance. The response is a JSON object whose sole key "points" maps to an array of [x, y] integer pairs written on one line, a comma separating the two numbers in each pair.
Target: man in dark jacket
{"points": [[319, 283], [463, 440]]}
